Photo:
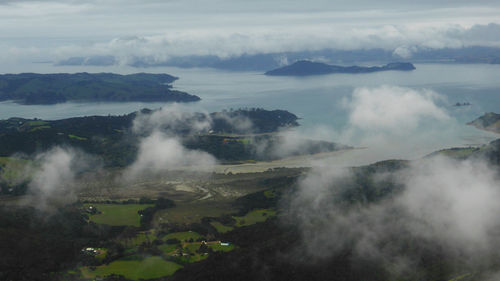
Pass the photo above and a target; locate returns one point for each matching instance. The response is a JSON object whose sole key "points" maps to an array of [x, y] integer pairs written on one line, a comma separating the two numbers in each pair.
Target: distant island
{"points": [[488, 122], [266, 61], [305, 68], [33, 88]]}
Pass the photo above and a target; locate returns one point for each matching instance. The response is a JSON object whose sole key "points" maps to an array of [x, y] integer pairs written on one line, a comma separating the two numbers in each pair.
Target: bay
{"points": [[320, 101]]}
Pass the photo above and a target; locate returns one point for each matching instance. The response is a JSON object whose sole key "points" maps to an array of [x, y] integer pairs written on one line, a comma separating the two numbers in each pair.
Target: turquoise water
{"points": [[318, 100]]}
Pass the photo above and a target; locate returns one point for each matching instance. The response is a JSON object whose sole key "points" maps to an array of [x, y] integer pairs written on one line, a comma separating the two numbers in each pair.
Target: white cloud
{"points": [[442, 202], [393, 109], [458, 201], [161, 29], [235, 41], [403, 52], [53, 177], [172, 119], [394, 122], [159, 153]]}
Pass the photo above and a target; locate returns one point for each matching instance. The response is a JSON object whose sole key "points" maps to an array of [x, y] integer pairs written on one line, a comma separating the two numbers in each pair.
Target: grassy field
{"points": [[77, 137], [188, 248], [218, 247], [168, 248], [39, 128], [139, 239], [270, 193], [182, 236], [102, 253], [192, 247], [118, 214], [194, 212], [148, 268], [36, 123], [191, 251], [254, 216], [13, 168], [194, 258], [220, 227]]}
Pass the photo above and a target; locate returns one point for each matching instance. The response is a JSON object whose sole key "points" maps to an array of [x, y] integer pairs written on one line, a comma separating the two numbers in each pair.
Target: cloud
{"points": [[289, 142], [480, 35], [161, 135], [158, 30], [390, 108], [439, 206], [238, 123], [404, 40], [158, 153], [172, 119], [395, 122], [457, 201], [53, 177], [404, 52], [175, 119]]}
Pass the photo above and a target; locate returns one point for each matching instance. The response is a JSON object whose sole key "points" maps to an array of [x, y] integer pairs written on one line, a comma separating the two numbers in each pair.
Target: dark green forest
{"points": [[112, 138], [33, 88]]}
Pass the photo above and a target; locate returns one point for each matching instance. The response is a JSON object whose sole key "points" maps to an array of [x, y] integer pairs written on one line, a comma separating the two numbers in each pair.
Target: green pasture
{"points": [[254, 216], [220, 227], [148, 268], [12, 168], [118, 214], [77, 137], [194, 212], [218, 247], [182, 236]]}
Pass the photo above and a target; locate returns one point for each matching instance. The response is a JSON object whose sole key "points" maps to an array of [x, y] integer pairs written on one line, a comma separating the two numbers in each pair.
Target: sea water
{"points": [[320, 101]]}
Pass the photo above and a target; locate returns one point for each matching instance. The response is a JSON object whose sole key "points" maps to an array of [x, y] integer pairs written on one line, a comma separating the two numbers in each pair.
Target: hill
{"points": [[305, 68], [33, 88], [113, 138], [266, 61], [489, 122]]}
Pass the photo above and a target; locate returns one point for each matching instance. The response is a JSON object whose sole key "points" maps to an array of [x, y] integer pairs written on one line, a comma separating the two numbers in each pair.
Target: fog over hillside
{"points": [[366, 170]]}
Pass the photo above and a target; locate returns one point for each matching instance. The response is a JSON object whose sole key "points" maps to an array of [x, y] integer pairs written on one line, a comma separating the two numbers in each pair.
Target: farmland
{"points": [[134, 269], [255, 217], [118, 214]]}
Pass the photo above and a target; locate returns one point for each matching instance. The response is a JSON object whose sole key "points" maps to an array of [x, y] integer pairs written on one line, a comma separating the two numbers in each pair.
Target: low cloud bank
{"points": [[159, 152], [404, 40], [444, 210], [397, 122], [387, 119], [172, 119], [160, 144], [400, 217], [52, 176], [393, 109]]}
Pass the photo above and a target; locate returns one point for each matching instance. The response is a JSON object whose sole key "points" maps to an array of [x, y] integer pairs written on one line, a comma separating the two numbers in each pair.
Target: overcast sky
{"points": [[51, 30]]}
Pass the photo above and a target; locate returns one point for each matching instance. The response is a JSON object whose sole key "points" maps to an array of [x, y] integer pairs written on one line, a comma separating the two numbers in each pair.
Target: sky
{"points": [[54, 30]]}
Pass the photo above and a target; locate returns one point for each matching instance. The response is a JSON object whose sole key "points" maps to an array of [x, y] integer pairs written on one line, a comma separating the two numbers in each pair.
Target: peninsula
{"points": [[306, 68], [114, 140], [33, 88], [489, 122]]}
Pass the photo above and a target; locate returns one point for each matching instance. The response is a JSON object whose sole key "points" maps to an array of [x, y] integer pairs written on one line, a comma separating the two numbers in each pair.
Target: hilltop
{"points": [[34, 88], [113, 137], [488, 122], [266, 61], [305, 68]]}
